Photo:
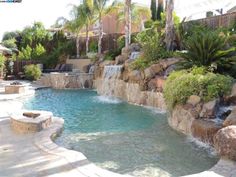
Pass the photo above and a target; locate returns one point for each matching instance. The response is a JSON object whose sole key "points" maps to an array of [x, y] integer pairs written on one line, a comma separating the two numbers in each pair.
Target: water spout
{"points": [[112, 71], [134, 55]]}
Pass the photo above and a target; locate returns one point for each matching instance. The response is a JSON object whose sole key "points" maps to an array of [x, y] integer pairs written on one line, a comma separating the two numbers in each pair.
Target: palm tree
{"points": [[127, 10], [159, 9], [100, 8], [138, 14], [169, 29], [75, 25], [87, 15]]}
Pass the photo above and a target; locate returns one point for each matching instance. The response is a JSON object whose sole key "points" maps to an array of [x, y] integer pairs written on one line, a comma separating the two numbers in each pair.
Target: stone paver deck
{"points": [[35, 155]]}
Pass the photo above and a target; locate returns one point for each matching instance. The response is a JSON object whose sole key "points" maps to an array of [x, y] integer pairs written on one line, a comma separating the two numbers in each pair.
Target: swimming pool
{"points": [[120, 137]]}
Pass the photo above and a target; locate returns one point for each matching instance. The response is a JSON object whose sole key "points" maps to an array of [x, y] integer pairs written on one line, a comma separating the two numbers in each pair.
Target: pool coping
{"points": [[44, 141]]}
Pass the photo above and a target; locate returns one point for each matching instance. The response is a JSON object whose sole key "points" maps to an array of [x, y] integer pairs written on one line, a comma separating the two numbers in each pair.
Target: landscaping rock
{"points": [[205, 130], [194, 100], [231, 119], [225, 142], [149, 74], [168, 62], [86, 68], [156, 68], [126, 51], [135, 47], [209, 110], [120, 59], [135, 76], [232, 98], [156, 84]]}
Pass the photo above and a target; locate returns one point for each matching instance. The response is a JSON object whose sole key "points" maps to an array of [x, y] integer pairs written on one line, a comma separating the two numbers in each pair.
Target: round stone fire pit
{"points": [[30, 121]]}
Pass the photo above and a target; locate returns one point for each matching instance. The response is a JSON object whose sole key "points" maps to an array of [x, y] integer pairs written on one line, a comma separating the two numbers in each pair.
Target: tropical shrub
{"points": [[180, 85], [93, 47], [152, 45], [2, 61], [207, 48], [32, 72], [38, 51], [140, 64], [25, 53]]}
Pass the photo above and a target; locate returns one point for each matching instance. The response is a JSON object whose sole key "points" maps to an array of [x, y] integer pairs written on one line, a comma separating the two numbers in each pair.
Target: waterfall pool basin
{"points": [[120, 137]]}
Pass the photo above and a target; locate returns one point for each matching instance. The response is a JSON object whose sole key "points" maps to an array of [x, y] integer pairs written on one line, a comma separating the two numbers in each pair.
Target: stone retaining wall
{"points": [[129, 92]]}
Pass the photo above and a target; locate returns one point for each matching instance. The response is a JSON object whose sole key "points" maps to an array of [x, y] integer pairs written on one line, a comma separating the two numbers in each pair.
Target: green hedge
{"points": [[180, 85]]}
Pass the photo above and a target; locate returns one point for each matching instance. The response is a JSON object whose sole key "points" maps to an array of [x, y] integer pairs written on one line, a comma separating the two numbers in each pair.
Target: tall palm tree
{"points": [[75, 24], [159, 9], [101, 9], [138, 14], [169, 29], [127, 10], [88, 16]]}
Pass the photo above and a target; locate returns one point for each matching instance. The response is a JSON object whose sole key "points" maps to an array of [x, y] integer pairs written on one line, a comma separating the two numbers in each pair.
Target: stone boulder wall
{"points": [[129, 92], [64, 80], [225, 142], [195, 118], [231, 119], [205, 130]]}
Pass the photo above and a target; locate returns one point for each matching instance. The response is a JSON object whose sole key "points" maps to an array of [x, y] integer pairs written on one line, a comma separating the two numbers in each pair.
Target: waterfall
{"points": [[134, 55], [112, 71], [92, 69]]}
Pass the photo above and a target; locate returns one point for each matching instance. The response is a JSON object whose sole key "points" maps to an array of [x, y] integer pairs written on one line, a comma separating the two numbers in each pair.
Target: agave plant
{"points": [[207, 48]]}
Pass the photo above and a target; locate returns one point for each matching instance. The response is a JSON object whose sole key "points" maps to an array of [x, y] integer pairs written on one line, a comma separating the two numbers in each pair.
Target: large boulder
{"points": [[149, 74], [205, 130], [181, 118], [232, 98], [86, 68], [231, 119], [194, 100], [165, 63], [225, 142], [120, 59], [135, 76], [209, 110], [156, 84], [135, 47]]}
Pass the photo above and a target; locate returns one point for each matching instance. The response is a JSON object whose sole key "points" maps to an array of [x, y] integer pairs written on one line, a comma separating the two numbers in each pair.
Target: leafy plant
{"points": [[140, 64], [2, 61], [206, 48], [32, 72], [152, 45], [38, 51], [180, 85], [25, 53], [93, 47]]}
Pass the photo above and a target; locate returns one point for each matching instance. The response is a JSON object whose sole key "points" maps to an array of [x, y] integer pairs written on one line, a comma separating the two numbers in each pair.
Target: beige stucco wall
{"points": [[78, 63]]}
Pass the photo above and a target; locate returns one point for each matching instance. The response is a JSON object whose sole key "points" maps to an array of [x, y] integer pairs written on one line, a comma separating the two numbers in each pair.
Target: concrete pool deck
{"points": [[35, 155]]}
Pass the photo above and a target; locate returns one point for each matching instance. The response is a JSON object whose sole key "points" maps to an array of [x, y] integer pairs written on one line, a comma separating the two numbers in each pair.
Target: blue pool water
{"points": [[121, 137]]}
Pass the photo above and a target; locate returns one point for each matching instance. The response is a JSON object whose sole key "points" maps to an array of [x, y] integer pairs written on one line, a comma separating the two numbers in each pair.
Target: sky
{"points": [[15, 16]]}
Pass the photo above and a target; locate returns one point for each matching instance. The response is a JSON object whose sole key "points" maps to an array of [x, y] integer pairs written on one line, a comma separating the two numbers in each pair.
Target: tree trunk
{"points": [[100, 35], [77, 46], [159, 9], [127, 22], [154, 9], [87, 39], [170, 33]]}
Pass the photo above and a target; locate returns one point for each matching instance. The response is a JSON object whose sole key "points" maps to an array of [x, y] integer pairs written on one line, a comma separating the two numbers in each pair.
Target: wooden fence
{"points": [[225, 20], [19, 66]]}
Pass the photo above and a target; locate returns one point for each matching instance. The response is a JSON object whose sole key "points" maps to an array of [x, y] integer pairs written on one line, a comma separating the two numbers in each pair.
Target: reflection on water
{"points": [[121, 137]]}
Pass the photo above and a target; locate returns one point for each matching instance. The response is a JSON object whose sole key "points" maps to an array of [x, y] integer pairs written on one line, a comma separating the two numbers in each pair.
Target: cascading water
{"points": [[92, 69], [112, 71], [134, 55]]}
